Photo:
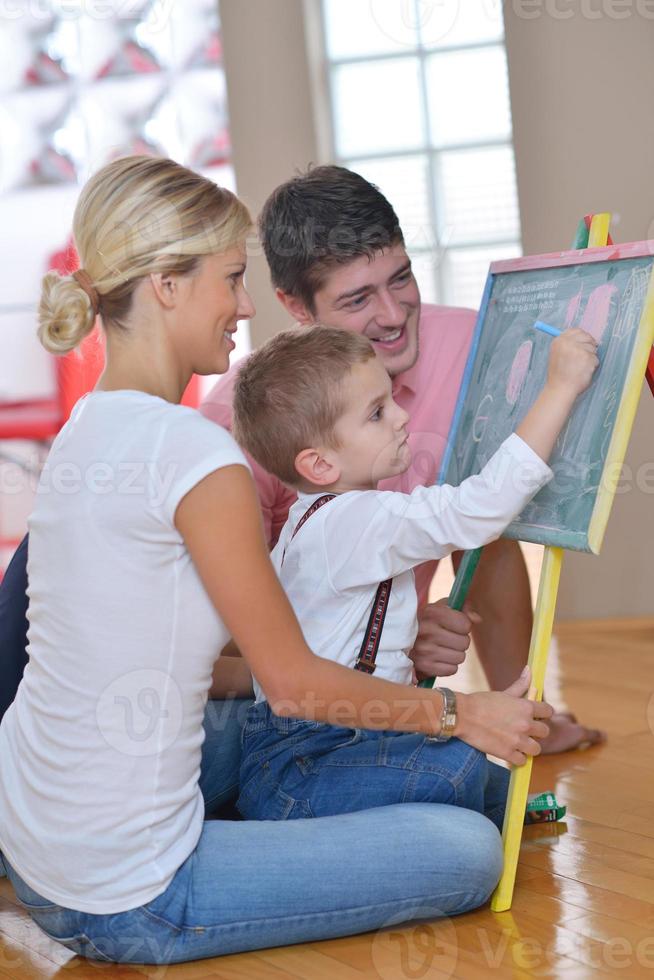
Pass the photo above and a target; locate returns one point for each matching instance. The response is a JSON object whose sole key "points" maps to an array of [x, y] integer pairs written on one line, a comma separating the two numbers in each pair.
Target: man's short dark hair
{"points": [[321, 219]]}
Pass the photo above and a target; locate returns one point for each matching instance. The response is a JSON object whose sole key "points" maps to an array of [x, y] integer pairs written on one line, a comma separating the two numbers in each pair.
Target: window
{"points": [[84, 82], [420, 106]]}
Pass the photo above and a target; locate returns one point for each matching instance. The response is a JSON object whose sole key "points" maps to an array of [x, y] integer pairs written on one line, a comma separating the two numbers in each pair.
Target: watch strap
{"points": [[448, 715]]}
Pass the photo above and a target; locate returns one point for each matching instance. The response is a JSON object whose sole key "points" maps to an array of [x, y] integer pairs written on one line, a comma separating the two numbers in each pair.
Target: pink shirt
{"points": [[427, 391]]}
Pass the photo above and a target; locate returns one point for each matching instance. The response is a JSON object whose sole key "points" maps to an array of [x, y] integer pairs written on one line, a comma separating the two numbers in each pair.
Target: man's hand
{"points": [[442, 640]]}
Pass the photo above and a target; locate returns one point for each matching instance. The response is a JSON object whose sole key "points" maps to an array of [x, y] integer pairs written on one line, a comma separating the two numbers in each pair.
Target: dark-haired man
{"points": [[337, 257]]}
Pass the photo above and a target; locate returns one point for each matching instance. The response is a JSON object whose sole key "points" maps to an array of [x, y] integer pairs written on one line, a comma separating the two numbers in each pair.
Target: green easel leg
{"points": [[460, 590]]}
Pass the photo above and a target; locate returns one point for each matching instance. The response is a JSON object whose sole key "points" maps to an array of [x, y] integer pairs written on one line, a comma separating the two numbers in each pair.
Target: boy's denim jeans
{"points": [[252, 885], [293, 769]]}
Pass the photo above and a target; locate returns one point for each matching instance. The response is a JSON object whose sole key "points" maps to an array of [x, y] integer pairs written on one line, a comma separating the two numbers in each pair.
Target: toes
{"points": [[566, 715], [592, 736], [565, 736]]}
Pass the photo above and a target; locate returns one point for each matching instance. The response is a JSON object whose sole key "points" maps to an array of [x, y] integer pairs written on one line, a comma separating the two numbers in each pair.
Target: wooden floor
{"points": [[584, 901]]}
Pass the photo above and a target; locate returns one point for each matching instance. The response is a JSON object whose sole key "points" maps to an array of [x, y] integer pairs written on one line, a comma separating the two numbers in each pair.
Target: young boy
{"points": [[315, 408]]}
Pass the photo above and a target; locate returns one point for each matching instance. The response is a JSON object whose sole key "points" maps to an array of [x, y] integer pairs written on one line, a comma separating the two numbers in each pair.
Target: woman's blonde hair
{"points": [[135, 216]]}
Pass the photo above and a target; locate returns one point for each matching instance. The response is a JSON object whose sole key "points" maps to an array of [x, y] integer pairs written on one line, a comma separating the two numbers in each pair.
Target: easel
{"points": [[593, 231]]}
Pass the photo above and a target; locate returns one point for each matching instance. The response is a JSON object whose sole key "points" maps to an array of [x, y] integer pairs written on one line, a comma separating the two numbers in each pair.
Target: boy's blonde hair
{"points": [[135, 216], [289, 394]]}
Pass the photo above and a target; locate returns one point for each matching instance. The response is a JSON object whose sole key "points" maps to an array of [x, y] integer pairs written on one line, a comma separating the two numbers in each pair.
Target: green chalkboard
{"points": [[507, 368]]}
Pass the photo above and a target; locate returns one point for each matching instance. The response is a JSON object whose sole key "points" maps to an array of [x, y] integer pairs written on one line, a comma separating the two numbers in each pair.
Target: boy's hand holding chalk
{"points": [[547, 328], [573, 361], [580, 337]]}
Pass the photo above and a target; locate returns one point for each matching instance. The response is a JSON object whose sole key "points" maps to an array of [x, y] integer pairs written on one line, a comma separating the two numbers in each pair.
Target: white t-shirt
{"points": [[331, 569], [100, 751]]}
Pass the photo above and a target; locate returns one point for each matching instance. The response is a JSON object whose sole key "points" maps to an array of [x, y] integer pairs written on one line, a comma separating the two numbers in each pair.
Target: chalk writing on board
{"points": [[481, 420], [518, 372], [509, 368], [632, 302]]}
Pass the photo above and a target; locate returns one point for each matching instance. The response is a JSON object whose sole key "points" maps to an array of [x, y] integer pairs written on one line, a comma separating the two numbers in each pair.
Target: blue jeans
{"points": [[253, 885], [293, 769]]}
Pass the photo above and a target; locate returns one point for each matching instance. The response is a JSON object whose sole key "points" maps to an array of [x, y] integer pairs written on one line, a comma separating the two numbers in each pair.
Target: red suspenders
{"points": [[316, 505], [372, 636]]}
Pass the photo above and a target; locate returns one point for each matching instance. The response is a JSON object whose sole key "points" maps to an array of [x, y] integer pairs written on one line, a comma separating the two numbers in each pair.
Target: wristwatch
{"points": [[448, 717]]}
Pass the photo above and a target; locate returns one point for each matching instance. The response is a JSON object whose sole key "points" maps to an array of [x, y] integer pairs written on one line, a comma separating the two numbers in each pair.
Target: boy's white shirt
{"points": [[331, 568]]}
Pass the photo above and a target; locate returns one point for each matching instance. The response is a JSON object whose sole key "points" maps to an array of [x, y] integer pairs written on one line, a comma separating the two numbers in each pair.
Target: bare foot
{"points": [[566, 733]]}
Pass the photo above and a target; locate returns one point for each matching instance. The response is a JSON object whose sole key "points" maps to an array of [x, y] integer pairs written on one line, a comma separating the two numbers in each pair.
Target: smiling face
{"points": [[371, 432], [214, 300], [376, 297]]}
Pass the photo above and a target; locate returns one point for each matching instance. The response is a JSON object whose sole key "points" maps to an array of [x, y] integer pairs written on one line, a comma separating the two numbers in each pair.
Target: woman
{"points": [[146, 554]]}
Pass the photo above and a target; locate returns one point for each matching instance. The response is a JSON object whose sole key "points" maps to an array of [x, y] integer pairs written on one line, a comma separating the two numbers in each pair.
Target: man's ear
{"points": [[317, 467], [296, 307], [165, 287]]}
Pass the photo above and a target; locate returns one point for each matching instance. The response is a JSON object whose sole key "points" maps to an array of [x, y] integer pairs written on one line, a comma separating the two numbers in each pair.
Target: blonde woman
{"points": [[146, 555]]}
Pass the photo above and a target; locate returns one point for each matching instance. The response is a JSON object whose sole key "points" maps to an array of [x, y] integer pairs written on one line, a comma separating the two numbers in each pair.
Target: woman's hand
{"points": [[504, 723]]}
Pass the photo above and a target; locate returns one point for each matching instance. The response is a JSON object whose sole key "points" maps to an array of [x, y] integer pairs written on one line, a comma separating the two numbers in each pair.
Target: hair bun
{"points": [[65, 313]]}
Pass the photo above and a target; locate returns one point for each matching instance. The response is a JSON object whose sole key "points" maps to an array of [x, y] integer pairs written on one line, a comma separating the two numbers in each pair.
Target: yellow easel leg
{"points": [[599, 229], [520, 775]]}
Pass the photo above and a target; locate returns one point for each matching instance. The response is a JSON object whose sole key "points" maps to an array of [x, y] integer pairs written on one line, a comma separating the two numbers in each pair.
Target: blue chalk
{"points": [[546, 328]]}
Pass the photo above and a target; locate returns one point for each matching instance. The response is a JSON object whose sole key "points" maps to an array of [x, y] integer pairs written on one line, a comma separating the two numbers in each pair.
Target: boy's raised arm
{"points": [[573, 360], [374, 536]]}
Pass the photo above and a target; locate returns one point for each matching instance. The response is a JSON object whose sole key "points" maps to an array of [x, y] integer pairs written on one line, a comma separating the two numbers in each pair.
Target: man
{"points": [[337, 257]]}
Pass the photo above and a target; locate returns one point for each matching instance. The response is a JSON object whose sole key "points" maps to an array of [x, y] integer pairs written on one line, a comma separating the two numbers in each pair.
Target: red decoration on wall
{"points": [[66, 260], [132, 56]]}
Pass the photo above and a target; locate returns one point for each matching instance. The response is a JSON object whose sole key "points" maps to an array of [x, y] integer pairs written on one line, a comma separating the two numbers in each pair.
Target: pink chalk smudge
{"points": [[518, 372], [573, 309], [596, 315]]}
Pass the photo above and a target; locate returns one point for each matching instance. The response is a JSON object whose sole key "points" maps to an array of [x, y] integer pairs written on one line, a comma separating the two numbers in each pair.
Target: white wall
{"points": [[35, 223], [271, 119]]}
